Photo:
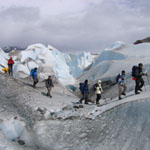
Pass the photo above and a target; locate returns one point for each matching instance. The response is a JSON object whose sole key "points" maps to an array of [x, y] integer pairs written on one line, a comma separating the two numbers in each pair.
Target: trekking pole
{"points": [[144, 87], [148, 79]]}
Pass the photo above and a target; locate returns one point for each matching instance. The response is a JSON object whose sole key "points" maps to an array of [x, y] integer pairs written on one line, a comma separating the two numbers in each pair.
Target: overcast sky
{"points": [[73, 25]]}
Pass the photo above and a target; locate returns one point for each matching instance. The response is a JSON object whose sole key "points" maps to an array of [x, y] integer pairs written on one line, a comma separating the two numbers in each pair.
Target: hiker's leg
{"points": [[137, 82], [98, 98], [12, 70], [141, 83], [82, 98], [50, 89], [9, 70], [124, 89], [48, 93], [119, 90], [86, 98], [34, 82]]}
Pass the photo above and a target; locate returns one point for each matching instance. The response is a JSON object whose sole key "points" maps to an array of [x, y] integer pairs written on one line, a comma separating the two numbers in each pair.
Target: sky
{"points": [[73, 25]]}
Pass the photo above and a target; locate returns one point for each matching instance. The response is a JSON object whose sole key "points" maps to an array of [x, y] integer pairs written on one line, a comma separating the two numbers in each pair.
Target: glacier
{"points": [[28, 115]]}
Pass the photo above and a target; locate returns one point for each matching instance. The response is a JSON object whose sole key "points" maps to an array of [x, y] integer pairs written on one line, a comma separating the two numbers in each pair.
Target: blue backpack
{"points": [[32, 72], [95, 86]]}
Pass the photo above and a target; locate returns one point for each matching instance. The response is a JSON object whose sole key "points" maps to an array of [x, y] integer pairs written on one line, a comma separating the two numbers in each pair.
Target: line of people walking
{"points": [[137, 74]]}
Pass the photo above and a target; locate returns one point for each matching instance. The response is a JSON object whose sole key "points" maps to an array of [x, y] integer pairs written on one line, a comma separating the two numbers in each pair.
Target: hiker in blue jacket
{"points": [[122, 88], [85, 92], [34, 77]]}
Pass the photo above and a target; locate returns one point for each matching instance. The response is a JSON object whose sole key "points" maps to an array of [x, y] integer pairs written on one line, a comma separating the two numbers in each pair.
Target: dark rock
{"points": [[81, 106], [146, 40], [21, 142], [77, 107]]}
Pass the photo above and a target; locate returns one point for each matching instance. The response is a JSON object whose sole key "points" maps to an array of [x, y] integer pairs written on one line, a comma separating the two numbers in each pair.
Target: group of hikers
{"points": [[48, 82], [85, 91], [137, 74]]}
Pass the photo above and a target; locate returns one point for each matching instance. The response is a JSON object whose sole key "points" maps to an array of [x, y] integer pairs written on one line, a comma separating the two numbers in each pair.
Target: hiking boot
{"points": [[120, 98], [80, 101], [99, 105], [137, 92], [123, 93]]}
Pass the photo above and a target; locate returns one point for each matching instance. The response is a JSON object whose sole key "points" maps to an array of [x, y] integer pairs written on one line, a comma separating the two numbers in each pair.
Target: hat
{"points": [[99, 81], [140, 64]]}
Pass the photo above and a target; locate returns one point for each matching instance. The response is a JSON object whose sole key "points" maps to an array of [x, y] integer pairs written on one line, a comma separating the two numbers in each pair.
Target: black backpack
{"points": [[117, 78], [134, 68], [81, 86], [95, 86]]}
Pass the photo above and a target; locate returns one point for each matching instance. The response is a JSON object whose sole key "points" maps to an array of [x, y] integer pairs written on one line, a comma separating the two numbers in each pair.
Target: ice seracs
{"points": [[48, 60], [79, 63], [3, 59]]}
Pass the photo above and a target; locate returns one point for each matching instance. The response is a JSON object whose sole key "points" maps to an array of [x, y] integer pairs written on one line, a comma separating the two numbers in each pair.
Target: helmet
{"points": [[99, 81]]}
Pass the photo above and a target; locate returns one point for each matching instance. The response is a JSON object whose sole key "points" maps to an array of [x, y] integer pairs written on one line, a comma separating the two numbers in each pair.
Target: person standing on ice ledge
{"points": [[10, 66], [49, 84], [34, 76], [121, 84]]}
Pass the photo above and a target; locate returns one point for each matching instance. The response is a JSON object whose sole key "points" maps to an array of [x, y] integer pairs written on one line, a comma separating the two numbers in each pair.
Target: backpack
{"points": [[95, 86], [81, 85], [134, 68], [117, 78], [32, 72]]}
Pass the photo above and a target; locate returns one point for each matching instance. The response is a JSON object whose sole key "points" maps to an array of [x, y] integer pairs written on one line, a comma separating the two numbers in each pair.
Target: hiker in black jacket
{"points": [[139, 82], [49, 85], [85, 92]]}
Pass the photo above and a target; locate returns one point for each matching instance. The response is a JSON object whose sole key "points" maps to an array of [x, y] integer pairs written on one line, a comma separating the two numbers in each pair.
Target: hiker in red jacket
{"points": [[10, 66]]}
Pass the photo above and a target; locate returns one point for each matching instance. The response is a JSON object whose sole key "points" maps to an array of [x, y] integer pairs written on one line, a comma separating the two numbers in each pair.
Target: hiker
{"points": [[49, 85], [85, 92], [137, 76], [10, 66], [99, 91], [121, 84], [33, 73]]}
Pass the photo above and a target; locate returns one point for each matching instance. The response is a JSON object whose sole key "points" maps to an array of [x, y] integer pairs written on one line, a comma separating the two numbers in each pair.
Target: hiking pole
{"points": [[144, 87], [148, 79]]}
